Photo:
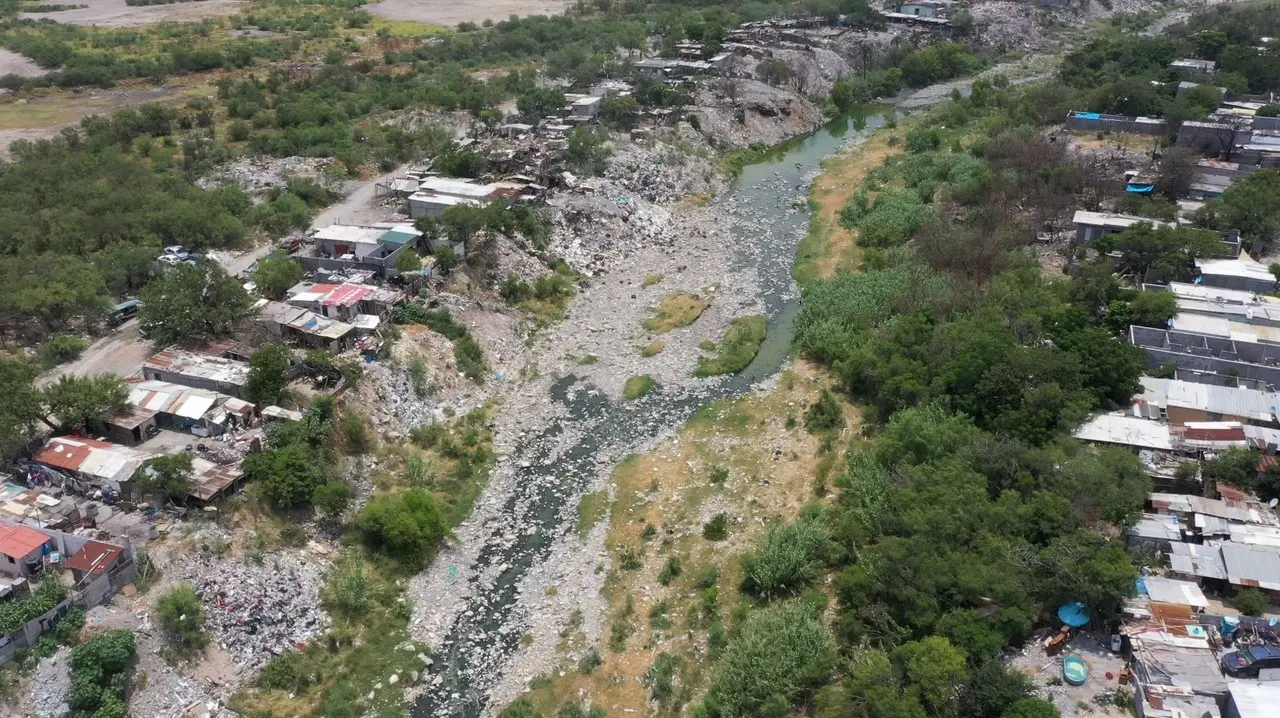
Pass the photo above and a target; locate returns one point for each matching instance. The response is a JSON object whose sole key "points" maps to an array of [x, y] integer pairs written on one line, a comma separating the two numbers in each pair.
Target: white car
{"points": [[172, 260], [176, 249]]}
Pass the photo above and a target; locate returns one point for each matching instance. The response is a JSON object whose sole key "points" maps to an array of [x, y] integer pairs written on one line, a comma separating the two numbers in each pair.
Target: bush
{"points": [[180, 612], [97, 668], [286, 672], [789, 556], [355, 435], [824, 414], [1250, 602], [346, 588], [780, 651], [407, 527], [717, 529], [61, 349], [670, 571], [332, 498]]}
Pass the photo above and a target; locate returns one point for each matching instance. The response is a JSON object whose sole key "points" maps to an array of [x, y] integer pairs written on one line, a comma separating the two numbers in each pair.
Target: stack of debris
{"points": [[255, 612]]}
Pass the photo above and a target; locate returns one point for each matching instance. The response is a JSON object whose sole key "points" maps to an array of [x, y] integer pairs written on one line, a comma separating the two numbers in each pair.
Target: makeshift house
{"points": [[22, 550], [90, 462], [217, 373], [94, 558], [164, 405], [371, 248]]}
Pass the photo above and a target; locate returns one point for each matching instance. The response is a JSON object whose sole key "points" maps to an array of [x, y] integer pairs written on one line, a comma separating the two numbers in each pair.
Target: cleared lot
{"points": [[115, 13], [11, 63], [452, 12]]}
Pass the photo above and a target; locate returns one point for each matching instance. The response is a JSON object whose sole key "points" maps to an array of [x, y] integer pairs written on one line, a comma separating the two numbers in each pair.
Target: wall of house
{"points": [[1114, 123], [194, 382]]}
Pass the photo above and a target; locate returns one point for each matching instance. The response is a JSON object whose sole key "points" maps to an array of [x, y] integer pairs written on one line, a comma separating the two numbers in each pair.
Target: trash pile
{"points": [[670, 168], [258, 173], [256, 611]]}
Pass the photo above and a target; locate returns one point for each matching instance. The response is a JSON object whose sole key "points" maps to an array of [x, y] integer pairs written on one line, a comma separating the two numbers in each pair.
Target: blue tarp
{"points": [[1073, 614], [1140, 188]]}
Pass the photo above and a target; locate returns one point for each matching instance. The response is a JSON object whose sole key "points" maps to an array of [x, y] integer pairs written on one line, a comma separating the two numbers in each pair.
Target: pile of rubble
{"points": [[257, 173], [667, 168], [1010, 25], [592, 232], [51, 685], [257, 611]]}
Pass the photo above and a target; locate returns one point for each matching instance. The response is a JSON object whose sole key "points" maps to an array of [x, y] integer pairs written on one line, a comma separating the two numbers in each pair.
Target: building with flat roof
{"points": [[371, 248], [1206, 354], [1186, 402], [1241, 273], [1091, 226], [199, 370]]}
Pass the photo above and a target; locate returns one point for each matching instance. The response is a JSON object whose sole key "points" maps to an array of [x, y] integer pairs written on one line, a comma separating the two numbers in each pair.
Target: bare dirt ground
{"points": [[11, 63], [449, 12], [120, 352], [115, 13]]}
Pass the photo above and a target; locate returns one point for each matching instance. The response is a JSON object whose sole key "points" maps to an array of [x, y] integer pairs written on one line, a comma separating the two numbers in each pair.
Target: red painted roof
{"points": [[67, 452], [346, 295], [94, 557], [1267, 461], [19, 541], [1233, 433]]}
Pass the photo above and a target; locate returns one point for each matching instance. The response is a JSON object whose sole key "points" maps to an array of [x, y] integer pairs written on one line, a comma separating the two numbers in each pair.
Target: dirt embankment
{"points": [[736, 113], [450, 13]]}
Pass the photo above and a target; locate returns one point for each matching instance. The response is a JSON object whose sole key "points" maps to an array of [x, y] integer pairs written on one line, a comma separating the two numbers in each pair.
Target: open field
{"points": [[446, 12], [115, 13]]}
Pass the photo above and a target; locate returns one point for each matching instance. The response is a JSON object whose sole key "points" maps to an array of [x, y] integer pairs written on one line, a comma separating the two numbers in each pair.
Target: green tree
{"points": [[1236, 466], [193, 304], [168, 477], [1252, 205], [619, 110], [1168, 250], [288, 475], [275, 273], [1087, 567], [446, 260], [773, 71], [936, 668], [407, 527], [1250, 602], [781, 651], [408, 261], [86, 401], [21, 403], [180, 612], [539, 102], [269, 370], [332, 498]]}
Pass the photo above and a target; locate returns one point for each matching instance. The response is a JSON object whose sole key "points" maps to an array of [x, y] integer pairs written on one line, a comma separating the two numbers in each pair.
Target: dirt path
{"points": [[450, 12], [115, 13], [120, 352]]}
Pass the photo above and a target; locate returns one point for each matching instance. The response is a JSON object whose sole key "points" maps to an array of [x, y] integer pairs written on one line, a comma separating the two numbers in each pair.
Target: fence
{"points": [[1099, 122]]}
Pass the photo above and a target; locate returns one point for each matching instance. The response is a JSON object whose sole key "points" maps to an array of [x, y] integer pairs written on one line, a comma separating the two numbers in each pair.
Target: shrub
{"points": [[355, 436], [346, 590], [286, 672], [824, 414], [332, 498], [789, 556], [61, 349], [407, 527], [717, 529], [780, 651], [181, 613], [636, 387], [670, 571], [97, 668], [709, 576], [1250, 602]]}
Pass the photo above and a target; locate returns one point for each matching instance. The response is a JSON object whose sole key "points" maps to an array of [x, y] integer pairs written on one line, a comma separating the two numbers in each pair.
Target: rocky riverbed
{"points": [[517, 566]]}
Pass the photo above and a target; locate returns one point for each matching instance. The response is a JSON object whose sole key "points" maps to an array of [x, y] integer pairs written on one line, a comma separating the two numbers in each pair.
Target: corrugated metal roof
{"points": [[1249, 565], [1127, 431], [1197, 560], [1168, 590], [17, 542], [94, 557]]}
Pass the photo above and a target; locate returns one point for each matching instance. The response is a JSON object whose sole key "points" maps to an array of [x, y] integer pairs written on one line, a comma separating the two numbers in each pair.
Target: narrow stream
{"points": [[768, 191]]}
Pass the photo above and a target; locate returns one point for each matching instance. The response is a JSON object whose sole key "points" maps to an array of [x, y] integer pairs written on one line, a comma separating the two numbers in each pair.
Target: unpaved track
{"points": [[115, 13], [452, 12]]}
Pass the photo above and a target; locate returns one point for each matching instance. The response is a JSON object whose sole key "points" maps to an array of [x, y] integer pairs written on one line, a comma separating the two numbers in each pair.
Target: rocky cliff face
{"points": [[737, 113]]}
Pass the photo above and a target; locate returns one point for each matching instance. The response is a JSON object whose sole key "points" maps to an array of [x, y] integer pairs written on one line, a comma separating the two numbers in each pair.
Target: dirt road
{"points": [[357, 207], [450, 13], [115, 13], [120, 352]]}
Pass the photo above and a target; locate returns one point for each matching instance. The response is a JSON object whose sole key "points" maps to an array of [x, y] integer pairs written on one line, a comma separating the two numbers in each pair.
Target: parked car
{"points": [[174, 250], [1246, 662], [290, 244], [171, 260]]}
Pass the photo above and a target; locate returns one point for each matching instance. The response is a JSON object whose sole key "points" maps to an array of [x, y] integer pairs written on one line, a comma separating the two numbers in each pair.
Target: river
{"points": [[762, 203]]}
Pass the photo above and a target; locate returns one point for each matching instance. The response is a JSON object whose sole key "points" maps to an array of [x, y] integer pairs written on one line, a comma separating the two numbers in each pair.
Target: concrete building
{"points": [[1240, 273], [346, 302], [1184, 402], [586, 107], [1253, 699], [1084, 121], [927, 8], [1209, 354], [1091, 226], [22, 550], [215, 373], [1205, 66], [372, 248]]}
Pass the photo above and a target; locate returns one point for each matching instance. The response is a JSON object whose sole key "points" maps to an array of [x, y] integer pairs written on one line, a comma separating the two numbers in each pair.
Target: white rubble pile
{"points": [[255, 612], [816, 70], [259, 173], [667, 168], [592, 232], [51, 685]]}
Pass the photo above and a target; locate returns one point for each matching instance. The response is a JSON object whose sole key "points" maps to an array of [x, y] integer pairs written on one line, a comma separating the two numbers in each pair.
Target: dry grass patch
{"points": [[637, 386], [650, 350], [679, 309]]}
